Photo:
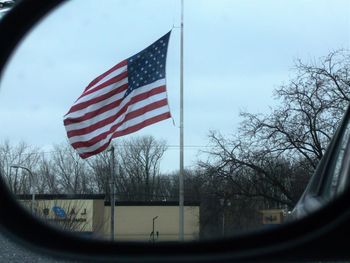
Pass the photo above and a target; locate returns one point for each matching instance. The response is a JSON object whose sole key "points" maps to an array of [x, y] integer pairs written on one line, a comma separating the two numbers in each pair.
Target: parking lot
{"points": [[12, 252]]}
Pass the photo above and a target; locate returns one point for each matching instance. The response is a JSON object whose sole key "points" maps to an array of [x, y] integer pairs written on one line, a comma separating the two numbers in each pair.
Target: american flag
{"points": [[126, 98]]}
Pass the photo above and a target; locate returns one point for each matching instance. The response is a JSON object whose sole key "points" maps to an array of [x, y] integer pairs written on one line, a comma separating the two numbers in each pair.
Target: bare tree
{"points": [[47, 180], [274, 154], [137, 169], [22, 154], [312, 105], [100, 166], [138, 166], [72, 175]]}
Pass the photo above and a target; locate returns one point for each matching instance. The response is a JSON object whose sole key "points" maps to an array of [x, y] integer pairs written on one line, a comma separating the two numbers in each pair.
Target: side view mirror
{"points": [[319, 231]]}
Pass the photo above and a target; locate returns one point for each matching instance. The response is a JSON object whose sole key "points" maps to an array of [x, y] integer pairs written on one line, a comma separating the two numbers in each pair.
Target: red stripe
{"points": [[132, 129], [119, 65], [101, 136], [143, 124], [129, 116], [115, 79], [98, 99], [101, 149], [92, 114], [115, 104]]}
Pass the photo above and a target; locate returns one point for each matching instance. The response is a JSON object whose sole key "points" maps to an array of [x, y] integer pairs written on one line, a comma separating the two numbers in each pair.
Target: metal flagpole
{"points": [[181, 175], [112, 192]]}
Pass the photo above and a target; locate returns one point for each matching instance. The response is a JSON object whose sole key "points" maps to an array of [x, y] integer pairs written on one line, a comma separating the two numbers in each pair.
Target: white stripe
{"points": [[109, 76], [104, 129], [144, 117], [95, 106], [113, 112], [129, 123], [98, 93], [100, 104]]}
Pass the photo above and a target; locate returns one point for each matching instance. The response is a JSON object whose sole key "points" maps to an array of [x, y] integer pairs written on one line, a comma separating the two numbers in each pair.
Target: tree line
{"points": [[265, 165]]}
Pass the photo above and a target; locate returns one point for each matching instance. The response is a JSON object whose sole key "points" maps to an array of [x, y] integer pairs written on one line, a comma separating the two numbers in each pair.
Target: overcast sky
{"points": [[236, 53]]}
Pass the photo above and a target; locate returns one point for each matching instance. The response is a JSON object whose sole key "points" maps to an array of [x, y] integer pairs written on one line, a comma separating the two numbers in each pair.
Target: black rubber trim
{"points": [[320, 236]]}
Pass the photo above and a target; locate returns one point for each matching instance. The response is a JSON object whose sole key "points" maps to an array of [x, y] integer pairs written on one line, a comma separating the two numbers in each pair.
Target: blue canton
{"points": [[148, 65]]}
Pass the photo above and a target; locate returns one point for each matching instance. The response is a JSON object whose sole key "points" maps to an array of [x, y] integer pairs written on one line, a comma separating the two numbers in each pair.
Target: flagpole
{"points": [[112, 192], [181, 175]]}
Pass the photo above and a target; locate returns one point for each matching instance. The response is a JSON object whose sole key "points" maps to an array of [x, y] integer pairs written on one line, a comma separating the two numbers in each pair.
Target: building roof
{"points": [[102, 197]]}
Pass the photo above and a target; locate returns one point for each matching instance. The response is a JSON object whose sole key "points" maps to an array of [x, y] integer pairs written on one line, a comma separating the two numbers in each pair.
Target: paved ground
{"points": [[12, 252]]}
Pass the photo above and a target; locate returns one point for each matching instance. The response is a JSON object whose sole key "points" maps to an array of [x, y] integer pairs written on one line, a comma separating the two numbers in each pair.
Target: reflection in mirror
{"points": [[6, 6], [265, 87]]}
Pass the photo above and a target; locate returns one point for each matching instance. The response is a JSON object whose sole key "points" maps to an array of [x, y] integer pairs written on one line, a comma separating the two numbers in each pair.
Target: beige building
{"points": [[134, 221], [272, 216]]}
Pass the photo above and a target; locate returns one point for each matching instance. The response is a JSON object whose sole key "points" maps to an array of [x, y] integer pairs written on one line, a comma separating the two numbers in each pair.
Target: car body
{"points": [[332, 174]]}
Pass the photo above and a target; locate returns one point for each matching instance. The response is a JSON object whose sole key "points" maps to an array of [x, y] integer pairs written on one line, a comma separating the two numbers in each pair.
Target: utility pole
{"points": [[31, 182], [153, 233], [181, 175], [112, 191]]}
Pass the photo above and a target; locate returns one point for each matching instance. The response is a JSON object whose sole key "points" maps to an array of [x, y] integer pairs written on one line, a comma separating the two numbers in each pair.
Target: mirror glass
{"points": [[265, 85]]}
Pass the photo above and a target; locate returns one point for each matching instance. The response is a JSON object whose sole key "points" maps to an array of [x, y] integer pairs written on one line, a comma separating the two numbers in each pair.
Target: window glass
{"points": [[338, 167]]}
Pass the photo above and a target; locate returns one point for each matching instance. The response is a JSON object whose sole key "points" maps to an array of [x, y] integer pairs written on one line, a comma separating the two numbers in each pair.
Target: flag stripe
{"points": [[129, 130], [103, 89], [99, 140], [143, 124], [107, 128], [105, 122], [93, 116], [94, 110], [82, 112], [94, 101], [103, 86], [102, 77]]}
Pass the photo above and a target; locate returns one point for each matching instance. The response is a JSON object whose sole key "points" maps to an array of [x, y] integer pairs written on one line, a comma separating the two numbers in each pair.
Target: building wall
{"points": [[99, 220], [136, 223], [272, 216], [69, 214], [133, 222]]}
